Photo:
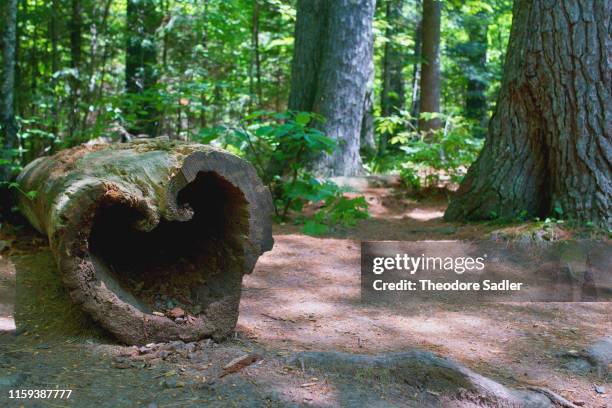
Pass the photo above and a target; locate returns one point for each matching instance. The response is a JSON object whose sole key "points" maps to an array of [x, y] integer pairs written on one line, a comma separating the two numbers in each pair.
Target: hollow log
{"points": [[152, 237]]}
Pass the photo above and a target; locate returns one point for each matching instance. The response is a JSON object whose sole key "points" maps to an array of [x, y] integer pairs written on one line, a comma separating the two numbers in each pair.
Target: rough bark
{"points": [[148, 226], [430, 65], [141, 73], [476, 101], [367, 142], [9, 127], [330, 72], [310, 28], [548, 148]]}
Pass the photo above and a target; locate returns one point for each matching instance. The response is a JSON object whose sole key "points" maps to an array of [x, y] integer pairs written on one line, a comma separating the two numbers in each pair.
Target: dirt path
{"points": [[303, 295]]}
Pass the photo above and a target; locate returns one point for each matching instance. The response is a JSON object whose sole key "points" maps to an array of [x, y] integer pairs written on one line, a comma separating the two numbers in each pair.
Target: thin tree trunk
{"points": [[367, 142], [33, 63], [54, 36], [430, 66], [9, 127], [548, 150], [19, 94], [140, 71], [416, 68], [392, 98], [476, 101], [256, 53], [94, 66], [75, 63], [203, 99], [332, 62]]}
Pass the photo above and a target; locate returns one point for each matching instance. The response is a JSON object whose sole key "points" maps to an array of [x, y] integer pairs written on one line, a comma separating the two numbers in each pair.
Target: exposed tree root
{"points": [[423, 369]]}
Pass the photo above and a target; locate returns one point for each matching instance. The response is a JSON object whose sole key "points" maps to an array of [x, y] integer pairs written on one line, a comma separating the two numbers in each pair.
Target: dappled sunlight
{"points": [[316, 394], [424, 214], [7, 295], [313, 303], [7, 323]]}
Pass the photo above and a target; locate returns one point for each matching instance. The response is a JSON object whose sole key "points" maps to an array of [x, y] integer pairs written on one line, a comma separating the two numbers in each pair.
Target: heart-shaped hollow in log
{"points": [[152, 237]]}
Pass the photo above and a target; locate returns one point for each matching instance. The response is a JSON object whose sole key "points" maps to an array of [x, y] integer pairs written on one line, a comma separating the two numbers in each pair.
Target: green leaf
{"points": [[314, 228], [302, 118]]}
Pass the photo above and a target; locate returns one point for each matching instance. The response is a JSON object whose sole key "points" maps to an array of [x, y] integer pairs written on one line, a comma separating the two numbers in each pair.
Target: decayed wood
{"points": [[144, 229]]}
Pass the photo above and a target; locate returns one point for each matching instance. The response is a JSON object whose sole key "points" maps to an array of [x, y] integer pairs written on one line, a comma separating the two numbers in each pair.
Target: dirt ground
{"points": [[303, 295]]}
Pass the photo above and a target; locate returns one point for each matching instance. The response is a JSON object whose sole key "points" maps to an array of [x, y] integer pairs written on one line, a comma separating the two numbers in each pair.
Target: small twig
{"points": [[256, 155]]}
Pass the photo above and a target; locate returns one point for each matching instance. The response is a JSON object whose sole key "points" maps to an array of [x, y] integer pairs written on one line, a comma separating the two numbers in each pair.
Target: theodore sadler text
{"points": [[457, 264]]}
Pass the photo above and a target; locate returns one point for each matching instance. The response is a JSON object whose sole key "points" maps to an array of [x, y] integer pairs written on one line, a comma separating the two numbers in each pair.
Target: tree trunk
{"points": [[76, 26], [141, 73], [330, 70], [256, 55], [54, 37], [392, 97], [476, 101], [9, 127], [367, 142], [310, 28], [430, 66], [96, 63], [416, 70], [548, 150], [141, 229]]}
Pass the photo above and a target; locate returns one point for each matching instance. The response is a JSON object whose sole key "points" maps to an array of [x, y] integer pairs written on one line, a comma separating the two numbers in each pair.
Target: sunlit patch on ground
{"points": [[424, 214], [7, 295], [7, 323]]}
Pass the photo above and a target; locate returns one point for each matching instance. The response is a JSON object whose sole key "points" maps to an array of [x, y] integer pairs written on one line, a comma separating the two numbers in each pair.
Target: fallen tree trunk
{"points": [[153, 237]]}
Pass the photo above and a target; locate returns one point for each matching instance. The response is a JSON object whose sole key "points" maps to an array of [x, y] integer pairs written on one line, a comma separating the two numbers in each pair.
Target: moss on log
{"points": [[152, 237]]}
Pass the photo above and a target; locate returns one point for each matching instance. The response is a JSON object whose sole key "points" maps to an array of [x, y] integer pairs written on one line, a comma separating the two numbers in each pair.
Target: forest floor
{"points": [[304, 295]]}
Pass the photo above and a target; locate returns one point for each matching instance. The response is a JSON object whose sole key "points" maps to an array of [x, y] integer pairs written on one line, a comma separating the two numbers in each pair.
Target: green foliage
{"points": [[281, 146], [210, 87], [30, 195], [428, 159]]}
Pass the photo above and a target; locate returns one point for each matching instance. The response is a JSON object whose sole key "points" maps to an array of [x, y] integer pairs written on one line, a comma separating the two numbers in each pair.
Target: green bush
{"points": [[422, 158]]}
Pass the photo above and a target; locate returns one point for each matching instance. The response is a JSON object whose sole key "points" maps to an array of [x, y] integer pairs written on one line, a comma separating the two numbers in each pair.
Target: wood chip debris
{"points": [[310, 384], [239, 363]]}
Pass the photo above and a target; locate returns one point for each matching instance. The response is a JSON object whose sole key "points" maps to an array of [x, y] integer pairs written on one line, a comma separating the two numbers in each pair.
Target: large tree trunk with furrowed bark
{"points": [[330, 74], [152, 238], [548, 150]]}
